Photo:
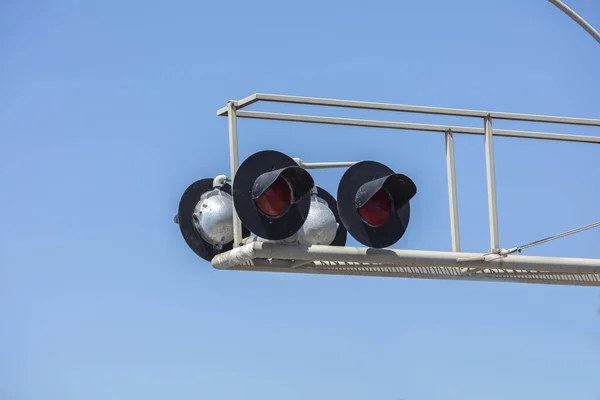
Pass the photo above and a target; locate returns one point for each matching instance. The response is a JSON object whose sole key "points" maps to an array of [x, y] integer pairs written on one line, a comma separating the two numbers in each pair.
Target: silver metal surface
{"points": [[324, 165], [415, 127], [320, 226], [452, 196], [491, 184], [577, 18], [408, 108], [219, 181], [332, 164], [234, 164], [213, 217]]}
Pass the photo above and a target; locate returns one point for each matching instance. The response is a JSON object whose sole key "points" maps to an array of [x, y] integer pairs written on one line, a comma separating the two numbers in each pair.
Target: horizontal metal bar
{"points": [[323, 165], [356, 122], [562, 137], [403, 257], [246, 101], [417, 109], [414, 127]]}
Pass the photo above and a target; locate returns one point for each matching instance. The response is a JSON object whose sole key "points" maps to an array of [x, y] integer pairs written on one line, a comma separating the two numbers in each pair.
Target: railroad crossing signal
{"points": [[374, 203], [278, 200], [271, 195], [299, 227]]}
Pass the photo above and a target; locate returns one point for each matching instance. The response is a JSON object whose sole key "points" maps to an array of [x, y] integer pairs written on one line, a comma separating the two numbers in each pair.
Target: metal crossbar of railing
{"points": [[233, 110]]}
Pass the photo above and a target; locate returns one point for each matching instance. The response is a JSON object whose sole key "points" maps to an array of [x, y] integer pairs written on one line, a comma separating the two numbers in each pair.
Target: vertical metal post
{"points": [[491, 183], [452, 191], [234, 163]]}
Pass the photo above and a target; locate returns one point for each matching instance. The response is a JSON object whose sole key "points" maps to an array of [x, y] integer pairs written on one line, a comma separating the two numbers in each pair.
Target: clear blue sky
{"points": [[107, 113]]}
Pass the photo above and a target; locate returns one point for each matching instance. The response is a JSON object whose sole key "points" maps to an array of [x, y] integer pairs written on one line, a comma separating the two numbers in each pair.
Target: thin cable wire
{"points": [[503, 253], [560, 235]]}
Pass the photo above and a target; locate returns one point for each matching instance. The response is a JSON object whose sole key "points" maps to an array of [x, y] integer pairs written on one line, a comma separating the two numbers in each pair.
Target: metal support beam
{"points": [[408, 108], [491, 183], [415, 127], [234, 163], [373, 258], [452, 197]]}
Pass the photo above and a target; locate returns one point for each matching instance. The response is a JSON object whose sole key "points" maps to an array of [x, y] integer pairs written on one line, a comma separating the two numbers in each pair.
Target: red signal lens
{"points": [[276, 199], [378, 209]]}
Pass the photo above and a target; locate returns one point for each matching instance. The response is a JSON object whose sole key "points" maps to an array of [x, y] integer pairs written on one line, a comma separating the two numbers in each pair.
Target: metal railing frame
{"points": [[234, 110]]}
